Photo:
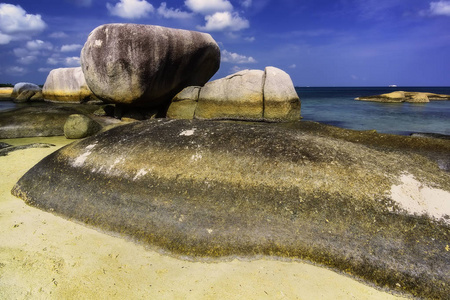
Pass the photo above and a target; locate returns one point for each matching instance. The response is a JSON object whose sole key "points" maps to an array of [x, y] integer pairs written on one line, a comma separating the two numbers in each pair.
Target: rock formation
{"points": [[5, 93], [67, 85], [252, 95], [80, 126], [215, 189], [400, 96], [25, 91], [145, 65]]}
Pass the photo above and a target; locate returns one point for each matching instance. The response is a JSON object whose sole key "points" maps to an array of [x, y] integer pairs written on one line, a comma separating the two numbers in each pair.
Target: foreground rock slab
{"points": [[39, 119], [146, 65], [212, 189]]}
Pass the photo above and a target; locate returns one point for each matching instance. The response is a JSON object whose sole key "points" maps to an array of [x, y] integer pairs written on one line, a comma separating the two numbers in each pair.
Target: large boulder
{"points": [[219, 189], [25, 91], [237, 96], [251, 95], [146, 65], [281, 101], [67, 85]]}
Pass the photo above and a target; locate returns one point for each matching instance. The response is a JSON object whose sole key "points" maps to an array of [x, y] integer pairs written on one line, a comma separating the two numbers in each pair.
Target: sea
{"points": [[337, 106]]}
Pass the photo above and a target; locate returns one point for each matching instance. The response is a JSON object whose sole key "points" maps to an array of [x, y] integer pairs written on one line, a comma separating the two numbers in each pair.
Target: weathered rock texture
{"points": [[41, 119], [25, 91], [5, 93], [80, 126], [67, 85], [145, 65], [214, 189], [252, 95], [184, 103], [400, 96]]}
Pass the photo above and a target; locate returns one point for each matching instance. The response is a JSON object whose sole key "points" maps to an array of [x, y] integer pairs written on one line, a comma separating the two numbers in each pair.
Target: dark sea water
{"points": [[336, 106]]}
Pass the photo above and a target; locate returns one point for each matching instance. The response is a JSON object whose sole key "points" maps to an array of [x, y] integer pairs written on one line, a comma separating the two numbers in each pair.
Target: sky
{"points": [[318, 42]]}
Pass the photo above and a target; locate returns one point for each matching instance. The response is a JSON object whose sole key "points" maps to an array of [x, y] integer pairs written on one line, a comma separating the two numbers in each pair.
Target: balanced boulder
{"points": [[67, 85], [251, 95], [146, 65], [25, 91]]}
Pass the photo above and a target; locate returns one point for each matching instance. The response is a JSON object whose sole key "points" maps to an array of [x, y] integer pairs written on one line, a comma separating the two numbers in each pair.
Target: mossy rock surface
{"points": [[39, 119], [207, 189]]}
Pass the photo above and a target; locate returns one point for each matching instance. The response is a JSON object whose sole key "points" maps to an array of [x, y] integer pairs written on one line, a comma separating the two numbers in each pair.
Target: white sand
{"points": [[43, 256], [420, 199]]}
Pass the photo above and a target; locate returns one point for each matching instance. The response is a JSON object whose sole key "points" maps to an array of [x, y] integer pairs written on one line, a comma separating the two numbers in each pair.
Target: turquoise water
{"points": [[336, 106]]}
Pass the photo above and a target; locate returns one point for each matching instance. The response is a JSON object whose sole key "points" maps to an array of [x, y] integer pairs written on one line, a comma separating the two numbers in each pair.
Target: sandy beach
{"points": [[43, 256]]}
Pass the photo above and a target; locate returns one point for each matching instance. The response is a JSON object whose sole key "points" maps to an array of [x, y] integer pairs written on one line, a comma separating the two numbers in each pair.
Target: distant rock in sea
{"points": [[25, 91], [400, 96], [146, 65]]}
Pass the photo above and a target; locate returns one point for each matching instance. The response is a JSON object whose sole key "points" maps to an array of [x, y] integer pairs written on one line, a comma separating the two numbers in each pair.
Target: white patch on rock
{"points": [[188, 132], [79, 161], [196, 157], [419, 199], [98, 43], [140, 173]]}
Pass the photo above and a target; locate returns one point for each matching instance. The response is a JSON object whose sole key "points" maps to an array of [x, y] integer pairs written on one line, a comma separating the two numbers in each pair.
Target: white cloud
{"points": [[58, 61], [441, 8], [246, 3], [17, 71], [293, 66], [208, 6], [235, 58], [16, 24], [224, 21], [72, 61], [44, 70], [26, 60], [58, 35], [38, 45], [250, 39], [131, 9], [172, 13], [71, 48]]}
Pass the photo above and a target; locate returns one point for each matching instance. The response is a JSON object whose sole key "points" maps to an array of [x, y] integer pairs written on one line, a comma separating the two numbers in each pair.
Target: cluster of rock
{"points": [[267, 95], [146, 67], [25, 91], [401, 96]]}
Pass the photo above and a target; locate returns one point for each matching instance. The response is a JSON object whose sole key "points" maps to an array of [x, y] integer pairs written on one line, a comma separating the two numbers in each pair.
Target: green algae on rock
{"points": [[215, 189]]}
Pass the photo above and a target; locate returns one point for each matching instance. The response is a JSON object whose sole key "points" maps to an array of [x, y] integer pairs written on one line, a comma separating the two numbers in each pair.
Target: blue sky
{"points": [[318, 42]]}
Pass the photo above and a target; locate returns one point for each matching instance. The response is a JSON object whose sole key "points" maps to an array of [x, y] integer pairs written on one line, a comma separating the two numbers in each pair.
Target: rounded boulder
{"points": [[146, 65]]}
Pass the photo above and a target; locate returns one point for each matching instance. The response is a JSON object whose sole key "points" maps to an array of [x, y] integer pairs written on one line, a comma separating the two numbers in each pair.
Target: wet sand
{"points": [[43, 256]]}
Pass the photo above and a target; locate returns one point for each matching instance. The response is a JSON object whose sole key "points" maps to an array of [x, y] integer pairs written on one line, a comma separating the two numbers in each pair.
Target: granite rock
{"points": [[146, 65]]}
